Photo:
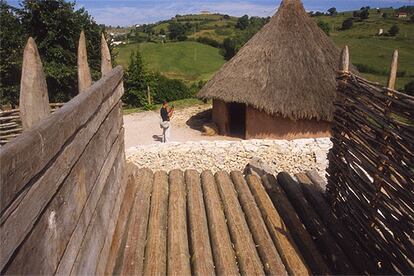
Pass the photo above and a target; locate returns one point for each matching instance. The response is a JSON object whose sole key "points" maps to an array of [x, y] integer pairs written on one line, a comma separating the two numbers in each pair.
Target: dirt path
{"points": [[144, 128]]}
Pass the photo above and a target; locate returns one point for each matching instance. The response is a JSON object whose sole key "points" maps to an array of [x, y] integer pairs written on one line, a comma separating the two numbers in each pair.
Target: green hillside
{"points": [[188, 60], [193, 61]]}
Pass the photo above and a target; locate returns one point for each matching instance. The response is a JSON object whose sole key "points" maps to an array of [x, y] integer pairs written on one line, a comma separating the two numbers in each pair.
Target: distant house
{"points": [[380, 31], [281, 84], [401, 15]]}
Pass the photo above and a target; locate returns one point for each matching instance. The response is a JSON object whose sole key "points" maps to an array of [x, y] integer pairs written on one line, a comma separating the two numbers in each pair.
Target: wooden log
{"points": [[31, 151], [123, 218], [393, 71], [4, 132], [302, 238], [317, 182], [223, 253], [50, 237], [34, 99], [102, 223], [345, 59], [156, 249], [271, 261], [249, 261], [133, 261], [42, 189], [201, 256], [106, 63], [324, 240], [84, 73], [348, 243], [288, 250], [178, 253]]}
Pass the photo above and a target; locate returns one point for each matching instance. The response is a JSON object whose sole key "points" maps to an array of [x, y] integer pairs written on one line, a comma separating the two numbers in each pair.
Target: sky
{"points": [[130, 12]]}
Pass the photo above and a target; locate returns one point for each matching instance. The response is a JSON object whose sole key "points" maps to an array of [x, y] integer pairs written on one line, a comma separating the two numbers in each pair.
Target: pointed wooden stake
{"points": [[34, 100], [393, 71], [345, 60], [84, 74], [106, 64]]}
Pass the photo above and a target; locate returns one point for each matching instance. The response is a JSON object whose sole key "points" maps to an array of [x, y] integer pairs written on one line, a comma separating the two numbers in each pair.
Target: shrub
{"points": [[394, 30], [326, 28], [163, 88], [409, 88], [347, 24], [209, 41]]}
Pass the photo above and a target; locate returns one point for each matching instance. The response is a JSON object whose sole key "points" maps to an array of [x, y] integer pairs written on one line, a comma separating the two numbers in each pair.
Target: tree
{"points": [[394, 30], [409, 88], [229, 48], [226, 16], [347, 24], [412, 18], [176, 31], [135, 81], [332, 11], [324, 26], [11, 51], [243, 22], [55, 26], [162, 31], [385, 15], [364, 14], [356, 14]]}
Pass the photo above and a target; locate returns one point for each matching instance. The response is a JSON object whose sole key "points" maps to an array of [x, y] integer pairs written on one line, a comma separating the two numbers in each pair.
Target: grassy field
{"points": [[369, 50], [189, 61], [180, 104]]}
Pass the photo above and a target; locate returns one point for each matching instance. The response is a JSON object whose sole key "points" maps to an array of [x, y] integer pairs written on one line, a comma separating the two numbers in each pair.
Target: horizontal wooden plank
{"points": [[67, 205], [103, 220], [31, 151]]}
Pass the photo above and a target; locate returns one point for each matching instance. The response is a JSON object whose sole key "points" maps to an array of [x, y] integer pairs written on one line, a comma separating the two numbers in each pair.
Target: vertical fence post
{"points": [[393, 71], [149, 95], [106, 64], [84, 74], [345, 59], [34, 100]]}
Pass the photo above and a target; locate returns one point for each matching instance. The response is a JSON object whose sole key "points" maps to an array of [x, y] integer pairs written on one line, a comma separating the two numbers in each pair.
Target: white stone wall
{"points": [[280, 155]]}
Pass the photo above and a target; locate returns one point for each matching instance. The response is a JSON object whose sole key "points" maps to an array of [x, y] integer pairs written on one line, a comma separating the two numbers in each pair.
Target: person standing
{"points": [[166, 115]]}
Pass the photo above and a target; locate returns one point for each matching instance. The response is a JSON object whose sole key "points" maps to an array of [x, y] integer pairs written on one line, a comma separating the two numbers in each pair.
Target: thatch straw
{"points": [[288, 68]]}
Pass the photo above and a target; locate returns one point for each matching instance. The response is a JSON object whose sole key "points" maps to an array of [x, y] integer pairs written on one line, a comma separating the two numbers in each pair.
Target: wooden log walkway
{"points": [[187, 223]]}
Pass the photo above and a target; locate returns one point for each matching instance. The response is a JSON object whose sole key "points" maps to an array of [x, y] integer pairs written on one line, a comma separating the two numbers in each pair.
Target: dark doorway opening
{"points": [[237, 118]]}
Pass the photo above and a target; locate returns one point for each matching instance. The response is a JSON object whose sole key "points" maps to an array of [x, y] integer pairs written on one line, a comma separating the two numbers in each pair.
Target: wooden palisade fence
{"points": [[371, 168], [62, 179]]}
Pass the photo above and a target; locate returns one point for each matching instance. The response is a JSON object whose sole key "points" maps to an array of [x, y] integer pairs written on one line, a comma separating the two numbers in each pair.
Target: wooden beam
{"points": [[345, 59], [84, 73], [178, 252], [323, 238], [106, 63], [34, 99], [249, 260], [223, 253], [301, 237], [201, 256], [271, 261], [393, 71], [133, 262], [288, 250], [156, 249]]}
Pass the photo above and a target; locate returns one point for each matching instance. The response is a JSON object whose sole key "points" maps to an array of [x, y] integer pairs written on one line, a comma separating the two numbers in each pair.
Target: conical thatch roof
{"points": [[288, 68]]}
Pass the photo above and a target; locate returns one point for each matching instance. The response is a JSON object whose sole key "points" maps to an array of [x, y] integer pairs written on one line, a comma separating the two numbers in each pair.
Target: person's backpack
{"points": [[165, 124]]}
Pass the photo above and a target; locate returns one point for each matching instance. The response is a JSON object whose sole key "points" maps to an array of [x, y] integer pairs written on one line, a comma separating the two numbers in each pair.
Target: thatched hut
{"points": [[281, 84]]}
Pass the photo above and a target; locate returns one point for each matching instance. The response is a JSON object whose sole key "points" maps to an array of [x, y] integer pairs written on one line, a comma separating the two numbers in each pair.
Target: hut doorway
{"points": [[237, 119]]}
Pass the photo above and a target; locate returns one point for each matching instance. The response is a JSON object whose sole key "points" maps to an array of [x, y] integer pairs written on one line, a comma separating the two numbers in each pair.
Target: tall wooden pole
{"points": [[106, 64], [345, 60], [84, 74], [393, 71], [34, 99]]}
